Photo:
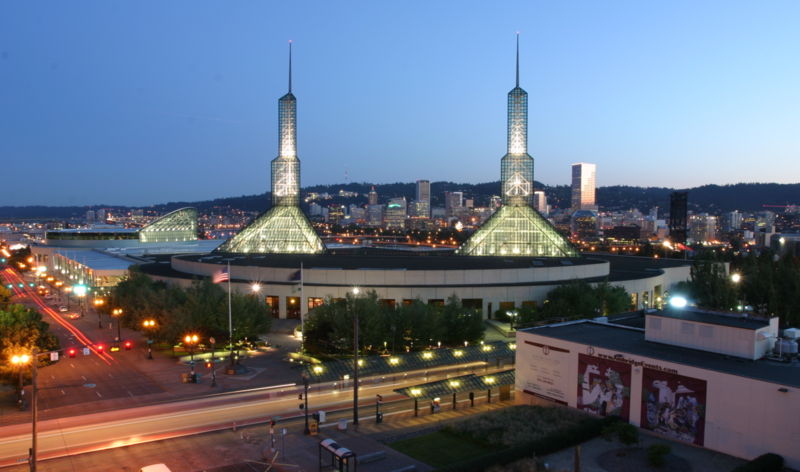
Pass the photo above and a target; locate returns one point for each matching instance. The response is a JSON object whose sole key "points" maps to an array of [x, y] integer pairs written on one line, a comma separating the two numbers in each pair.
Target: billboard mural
{"points": [[604, 386], [674, 405]]}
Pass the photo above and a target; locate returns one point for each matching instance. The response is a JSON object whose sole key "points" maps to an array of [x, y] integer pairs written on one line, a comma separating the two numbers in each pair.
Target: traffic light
{"points": [[72, 352], [300, 396], [380, 398], [128, 345]]}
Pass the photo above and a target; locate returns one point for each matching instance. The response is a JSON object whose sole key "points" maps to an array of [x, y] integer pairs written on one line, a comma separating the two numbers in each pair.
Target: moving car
{"points": [[155, 468], [63, 309]]}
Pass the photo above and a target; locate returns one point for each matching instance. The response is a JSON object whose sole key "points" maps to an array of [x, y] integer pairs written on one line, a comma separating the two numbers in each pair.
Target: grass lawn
{"points": [[440, 448]]}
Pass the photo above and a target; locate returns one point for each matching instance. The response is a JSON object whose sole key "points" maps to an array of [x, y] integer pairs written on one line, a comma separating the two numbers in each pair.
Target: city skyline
{"points": [[162, 114]]}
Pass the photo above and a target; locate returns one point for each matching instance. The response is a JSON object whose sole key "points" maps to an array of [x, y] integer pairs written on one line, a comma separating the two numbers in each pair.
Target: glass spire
{"points": [[516, 229], [284, 228]]}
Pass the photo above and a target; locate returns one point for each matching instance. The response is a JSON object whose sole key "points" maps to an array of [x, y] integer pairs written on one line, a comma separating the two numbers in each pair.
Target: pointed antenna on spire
{"points": [[517, 58], [290, 66]]}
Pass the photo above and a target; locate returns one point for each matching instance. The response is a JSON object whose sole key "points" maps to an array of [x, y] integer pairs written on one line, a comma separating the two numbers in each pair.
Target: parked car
{"points": [[155, 468], [63, 309]]}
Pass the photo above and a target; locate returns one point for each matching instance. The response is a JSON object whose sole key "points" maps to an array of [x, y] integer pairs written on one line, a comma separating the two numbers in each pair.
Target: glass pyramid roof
{"points": [[281, 230], [179, 225], [517, 231]]}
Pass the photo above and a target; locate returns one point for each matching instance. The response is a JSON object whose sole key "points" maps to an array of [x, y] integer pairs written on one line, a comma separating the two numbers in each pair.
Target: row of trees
{"points": [[201, 308], [576, 299], [769, 283], [329, 327]]}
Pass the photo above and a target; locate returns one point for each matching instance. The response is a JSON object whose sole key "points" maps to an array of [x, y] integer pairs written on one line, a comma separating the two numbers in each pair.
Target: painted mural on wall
{"points": [[604, 386], [674, 405]]}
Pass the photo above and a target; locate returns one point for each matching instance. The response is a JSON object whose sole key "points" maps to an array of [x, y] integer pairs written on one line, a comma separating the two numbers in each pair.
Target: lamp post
{"points": [[736, 278], [306, 431], [117, 313], [190, 340], [149, 325], [356, 291], [98, 302], [21, 360]]}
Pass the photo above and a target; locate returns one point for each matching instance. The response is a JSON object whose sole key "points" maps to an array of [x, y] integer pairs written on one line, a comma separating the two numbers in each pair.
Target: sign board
{"points": [[212, 340], [86, 351], [283, 431], [53, 356]]}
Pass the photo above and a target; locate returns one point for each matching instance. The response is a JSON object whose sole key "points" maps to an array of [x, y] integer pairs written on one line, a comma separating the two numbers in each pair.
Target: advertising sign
{"points": [[604, 386], [674, 405], [548, 371]]}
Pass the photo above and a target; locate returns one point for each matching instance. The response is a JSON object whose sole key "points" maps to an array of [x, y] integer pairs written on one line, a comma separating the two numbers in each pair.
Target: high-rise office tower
{"points": [[516, 229], [540, 202], [583, 186], [678, 221], [372, 197], [422, 204], [396, 213], [284, 228]]}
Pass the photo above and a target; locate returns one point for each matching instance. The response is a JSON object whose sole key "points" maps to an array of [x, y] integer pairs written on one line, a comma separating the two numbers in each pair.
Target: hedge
{"points": [[582, 432], [764, 463]]}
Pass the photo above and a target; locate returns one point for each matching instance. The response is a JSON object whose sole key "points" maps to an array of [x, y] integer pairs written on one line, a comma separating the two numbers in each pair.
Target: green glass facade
{"points": [[517, 231], [283, 229], [179, 225]]}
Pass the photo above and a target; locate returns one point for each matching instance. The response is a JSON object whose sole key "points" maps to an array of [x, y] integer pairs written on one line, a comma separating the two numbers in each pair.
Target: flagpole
{"points": [[302, 316], [230, 317]]}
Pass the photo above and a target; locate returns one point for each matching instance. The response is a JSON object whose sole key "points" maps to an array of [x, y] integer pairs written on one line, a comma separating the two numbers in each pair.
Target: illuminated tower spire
{"points": [[286, 167], [283, 229], [516, 168], [516, 229]]}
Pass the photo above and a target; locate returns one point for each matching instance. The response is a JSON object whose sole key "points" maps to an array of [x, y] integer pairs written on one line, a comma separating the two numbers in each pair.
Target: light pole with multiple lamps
{"points": [[191, 340], [117, 313], [98, 302], [149, 325]]}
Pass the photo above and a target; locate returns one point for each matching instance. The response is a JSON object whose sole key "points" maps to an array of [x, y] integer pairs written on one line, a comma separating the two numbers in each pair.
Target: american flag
{"points": [[221, 276]]}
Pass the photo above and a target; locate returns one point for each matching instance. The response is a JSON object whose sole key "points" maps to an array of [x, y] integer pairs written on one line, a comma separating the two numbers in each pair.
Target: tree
{"points": [[22, 329], [579, 299], [5, 297]]}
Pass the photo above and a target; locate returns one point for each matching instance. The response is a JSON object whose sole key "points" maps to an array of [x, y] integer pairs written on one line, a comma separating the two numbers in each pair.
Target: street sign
{"points": [[86, 351], [149, 341], [53, 356], [212, 340], [283, 431]]}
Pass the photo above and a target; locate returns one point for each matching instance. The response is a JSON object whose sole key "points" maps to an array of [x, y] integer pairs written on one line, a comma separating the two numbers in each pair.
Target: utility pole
{"points": [[355, 356]]}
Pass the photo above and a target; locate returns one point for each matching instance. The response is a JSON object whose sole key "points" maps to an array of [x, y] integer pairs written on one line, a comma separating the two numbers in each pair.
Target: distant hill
{"points": [[710, 198]]}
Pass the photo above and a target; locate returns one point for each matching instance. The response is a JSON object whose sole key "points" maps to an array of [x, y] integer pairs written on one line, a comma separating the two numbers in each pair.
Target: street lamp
{"points": [[356, 291], [190, 340], [20, 361], [306, 431], [149, 325], [117, 313], [256, 287], [98, 302], [736, 277]]}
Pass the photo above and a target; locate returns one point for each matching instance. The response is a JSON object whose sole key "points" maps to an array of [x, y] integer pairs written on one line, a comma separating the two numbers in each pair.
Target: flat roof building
{"points": [[707, 378]]}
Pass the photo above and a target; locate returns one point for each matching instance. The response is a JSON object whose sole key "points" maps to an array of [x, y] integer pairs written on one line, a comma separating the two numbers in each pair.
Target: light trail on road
{"points": [[45, 309]]}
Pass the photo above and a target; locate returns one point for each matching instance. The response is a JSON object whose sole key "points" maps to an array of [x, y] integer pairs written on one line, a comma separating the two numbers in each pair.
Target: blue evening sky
{"points": [[142, 102]]}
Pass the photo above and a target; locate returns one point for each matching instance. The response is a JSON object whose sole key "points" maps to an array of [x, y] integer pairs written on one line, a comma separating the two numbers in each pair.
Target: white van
{"points": [[155, 468]]}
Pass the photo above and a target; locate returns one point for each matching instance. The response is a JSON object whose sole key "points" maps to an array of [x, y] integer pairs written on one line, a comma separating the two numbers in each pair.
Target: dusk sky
{"points": [[144, 102]]}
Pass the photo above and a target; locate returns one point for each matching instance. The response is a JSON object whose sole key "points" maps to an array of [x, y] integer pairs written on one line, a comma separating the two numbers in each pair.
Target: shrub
{"points": [[587, 429], [764, 463], [626, 433], [657, 454]]}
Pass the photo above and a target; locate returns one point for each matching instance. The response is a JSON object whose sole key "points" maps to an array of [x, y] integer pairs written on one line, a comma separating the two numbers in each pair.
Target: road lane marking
{"points": [[98, 394], [62, 392], [83, 377]]}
